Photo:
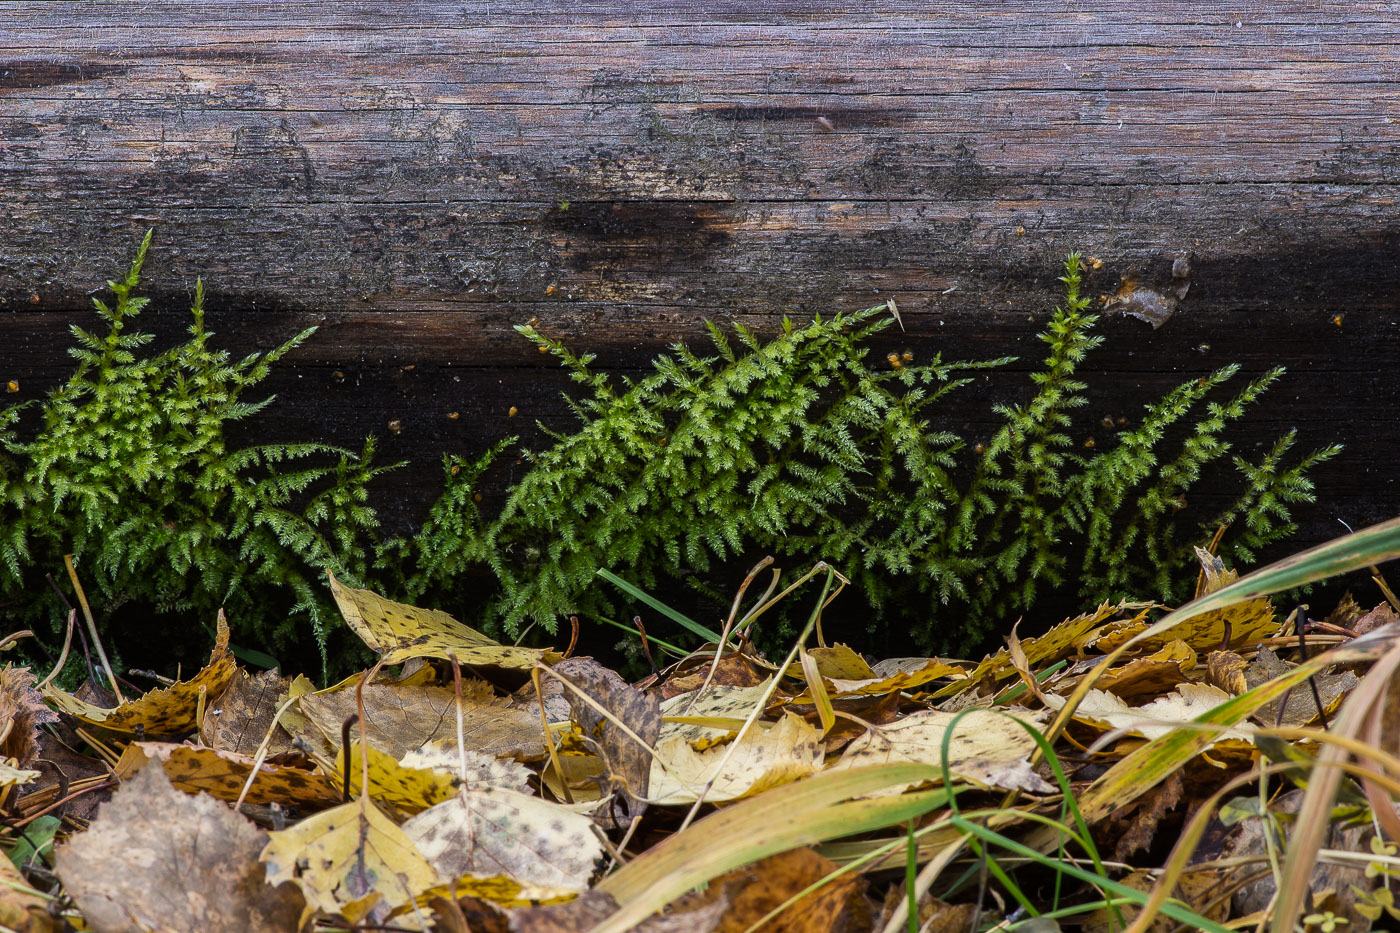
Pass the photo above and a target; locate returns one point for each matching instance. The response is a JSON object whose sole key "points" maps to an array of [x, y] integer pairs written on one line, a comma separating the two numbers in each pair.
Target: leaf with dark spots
{"points": [[628, 763]]}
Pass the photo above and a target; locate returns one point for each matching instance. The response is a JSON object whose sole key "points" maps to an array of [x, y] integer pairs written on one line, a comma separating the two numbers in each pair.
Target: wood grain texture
{"points": [[416, 178]]}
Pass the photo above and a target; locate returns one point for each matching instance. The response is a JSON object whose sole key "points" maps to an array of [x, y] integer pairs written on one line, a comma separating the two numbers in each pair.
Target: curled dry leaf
{"points": [[1155, 673], [763, 758], [401, 719], [159, 859], [988, 748], [22, 712], [490, 832], [628, 762], [165, 710], [399, 632], [1162, 715]]}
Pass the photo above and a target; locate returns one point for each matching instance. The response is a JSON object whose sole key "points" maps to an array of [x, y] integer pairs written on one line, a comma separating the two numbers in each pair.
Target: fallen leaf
{"points": [[352, 856], [893, 683], [1162, 715], [733, 670], [401, 719], [159, 859], [409, 789], [757, 889], [12, 775], [22, 909], [1156, 673], [842, 663], [1225, 669], [987, 747], [492, 831], [1134, 832], [1057, 643], [399, 632], [22, 712], [480, 770], [763, 758], [244, 713], [715, 702], [223, 774], [628, 763], [1300, 707], [164, 710]]}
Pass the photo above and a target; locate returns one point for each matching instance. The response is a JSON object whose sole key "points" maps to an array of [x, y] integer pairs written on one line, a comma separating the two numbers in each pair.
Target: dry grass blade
{"points": [[804, 813], [1313, 817]]}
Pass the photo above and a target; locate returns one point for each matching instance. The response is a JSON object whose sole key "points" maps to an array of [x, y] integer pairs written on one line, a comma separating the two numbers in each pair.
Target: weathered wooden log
{"points": [[416, 178]]}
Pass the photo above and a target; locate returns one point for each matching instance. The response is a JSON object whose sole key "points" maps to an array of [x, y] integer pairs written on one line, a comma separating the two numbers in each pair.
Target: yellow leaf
{"points": [[493, 832], [1105, 711], [221, 773], [400, 632], [410, 789], [987, 747], [165, 710], [904, 680], [11, 774], [346, 856], [1057, 643], [790, 750], [716, 702], [839, 661]]}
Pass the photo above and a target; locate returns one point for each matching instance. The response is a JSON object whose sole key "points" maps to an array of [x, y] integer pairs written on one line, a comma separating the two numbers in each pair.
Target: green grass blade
{"points": [[674, 615]]}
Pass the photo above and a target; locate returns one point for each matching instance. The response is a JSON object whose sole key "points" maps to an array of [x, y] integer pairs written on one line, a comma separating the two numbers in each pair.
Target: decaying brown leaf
{"points": [[628, 763], [244, 713], [757, 889], [1300, 705], [158, 859], [22, 712], [401, 719]]}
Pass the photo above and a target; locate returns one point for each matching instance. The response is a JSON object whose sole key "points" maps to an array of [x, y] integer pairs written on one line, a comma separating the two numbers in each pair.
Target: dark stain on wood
{"points": [[39, 73]]}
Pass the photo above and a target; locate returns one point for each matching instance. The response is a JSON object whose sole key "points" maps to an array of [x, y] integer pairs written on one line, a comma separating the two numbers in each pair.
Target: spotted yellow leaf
{"points": [[400, 632], [350, 858], [165, 710]]}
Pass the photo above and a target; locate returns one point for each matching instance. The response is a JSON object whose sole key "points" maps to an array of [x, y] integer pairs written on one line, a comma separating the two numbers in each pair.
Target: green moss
{"points": [[800, 447]]}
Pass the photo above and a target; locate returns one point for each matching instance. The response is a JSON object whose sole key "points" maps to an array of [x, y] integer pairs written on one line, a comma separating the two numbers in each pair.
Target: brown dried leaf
{"points": [[628, 763], [158, 859], [756, 889], [22, 712], [241, 718], [733, 670], [1225, 669], [1156, 673], [401, 719], [1301, 706], [1138, 830]]}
